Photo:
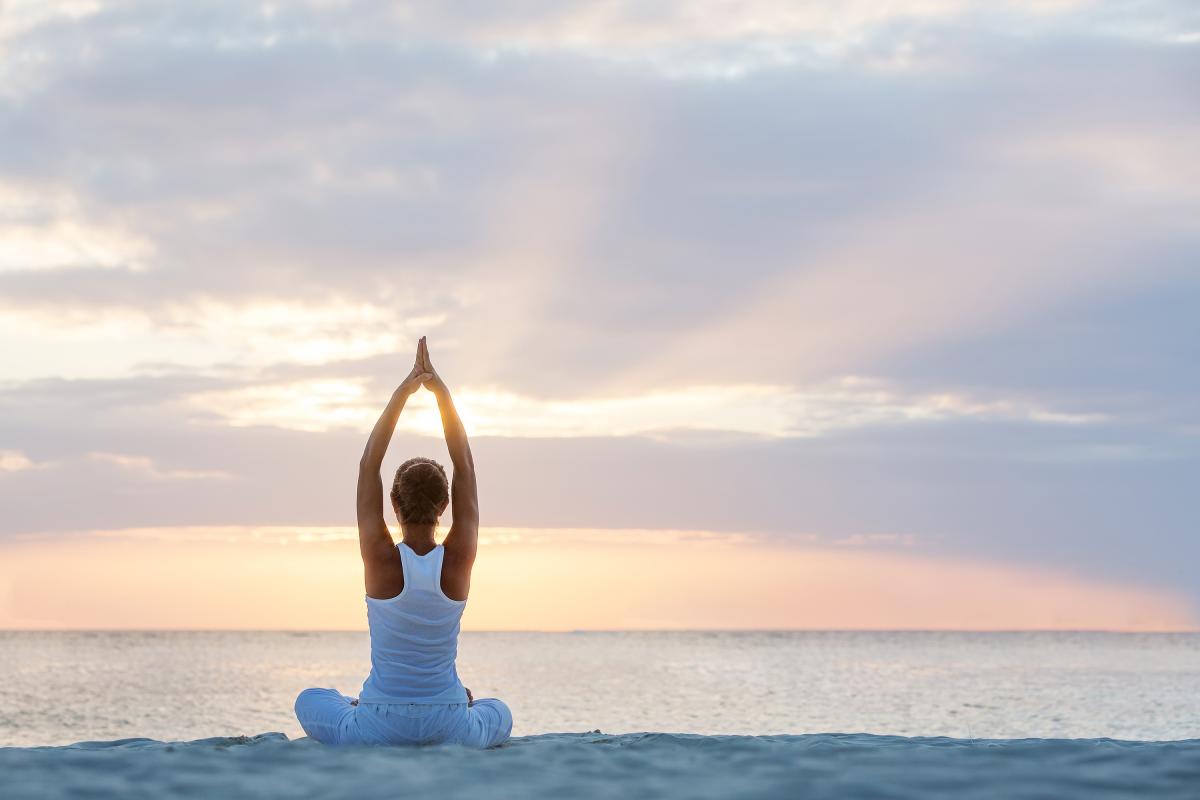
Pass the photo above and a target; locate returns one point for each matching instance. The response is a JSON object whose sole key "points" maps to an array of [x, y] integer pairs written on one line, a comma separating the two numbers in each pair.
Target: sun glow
{"points": [[310, 578], [753, 409]]}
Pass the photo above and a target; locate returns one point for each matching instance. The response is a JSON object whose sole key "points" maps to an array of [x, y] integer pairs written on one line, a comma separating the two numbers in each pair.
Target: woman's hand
{"points": [[432, 380], [419, 375]]}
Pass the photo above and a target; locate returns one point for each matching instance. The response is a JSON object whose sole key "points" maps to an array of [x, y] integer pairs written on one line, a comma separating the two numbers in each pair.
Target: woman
{"points": [[415, 593]]}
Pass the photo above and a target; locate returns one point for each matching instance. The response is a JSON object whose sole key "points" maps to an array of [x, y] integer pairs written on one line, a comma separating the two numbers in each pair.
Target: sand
{"points": [[595, 765]]}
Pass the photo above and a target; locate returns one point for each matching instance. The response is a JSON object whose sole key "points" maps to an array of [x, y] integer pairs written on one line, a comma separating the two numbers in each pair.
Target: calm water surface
{"points": [[57, 688]]}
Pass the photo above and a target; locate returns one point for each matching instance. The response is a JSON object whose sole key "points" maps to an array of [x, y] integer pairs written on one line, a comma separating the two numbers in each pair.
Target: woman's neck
{"points": [[418, 537]]}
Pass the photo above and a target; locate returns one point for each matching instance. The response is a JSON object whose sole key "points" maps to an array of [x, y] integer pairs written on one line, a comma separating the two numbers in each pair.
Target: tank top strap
{"points": [[436, 557], [405, 569], [435, 571]]}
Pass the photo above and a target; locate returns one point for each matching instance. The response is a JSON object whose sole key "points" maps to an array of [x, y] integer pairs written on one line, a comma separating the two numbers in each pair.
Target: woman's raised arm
{"points": [[374, 541], [463, 538]]}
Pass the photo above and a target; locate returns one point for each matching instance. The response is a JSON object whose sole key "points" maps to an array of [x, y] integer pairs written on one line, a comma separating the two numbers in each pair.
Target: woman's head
{"points": [[420, 491]]}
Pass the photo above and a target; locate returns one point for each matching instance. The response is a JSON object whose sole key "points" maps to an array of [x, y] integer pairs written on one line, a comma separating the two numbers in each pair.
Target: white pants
{"points": [[329, 717]]}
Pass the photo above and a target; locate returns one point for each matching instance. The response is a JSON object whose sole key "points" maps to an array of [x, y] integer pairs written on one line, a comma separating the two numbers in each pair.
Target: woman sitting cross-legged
{"points": [[415, 593]]}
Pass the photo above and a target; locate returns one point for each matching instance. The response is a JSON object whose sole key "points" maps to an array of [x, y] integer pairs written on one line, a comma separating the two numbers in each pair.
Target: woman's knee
{"points": [[497, 721], [306, 698], [320, 713], [506, 717]]}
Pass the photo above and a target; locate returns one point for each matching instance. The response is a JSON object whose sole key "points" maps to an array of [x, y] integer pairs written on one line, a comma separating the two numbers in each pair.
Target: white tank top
{"points": [[414, 637]]}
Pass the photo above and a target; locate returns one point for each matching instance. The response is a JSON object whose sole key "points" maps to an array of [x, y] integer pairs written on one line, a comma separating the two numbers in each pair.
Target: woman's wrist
{"points": [[410, 386]]}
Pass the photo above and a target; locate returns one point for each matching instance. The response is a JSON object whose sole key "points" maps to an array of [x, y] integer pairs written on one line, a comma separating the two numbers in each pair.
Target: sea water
{"points": [[62, 687]]}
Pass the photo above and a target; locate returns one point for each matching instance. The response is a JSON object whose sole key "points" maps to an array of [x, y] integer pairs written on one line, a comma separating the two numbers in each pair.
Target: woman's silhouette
{"points": [[415, 594]]}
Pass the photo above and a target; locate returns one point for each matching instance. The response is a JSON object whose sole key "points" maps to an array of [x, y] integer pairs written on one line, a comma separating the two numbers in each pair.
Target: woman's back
{"points": [[413, 694], [414, 637]]}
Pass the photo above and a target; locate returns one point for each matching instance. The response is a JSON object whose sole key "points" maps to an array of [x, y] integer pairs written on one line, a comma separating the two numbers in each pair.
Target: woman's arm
{"points": [[463, 538], [374, 541]]}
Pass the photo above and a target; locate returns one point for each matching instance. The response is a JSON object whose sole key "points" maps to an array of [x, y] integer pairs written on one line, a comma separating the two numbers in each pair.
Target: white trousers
{"points": [[329, 717]]}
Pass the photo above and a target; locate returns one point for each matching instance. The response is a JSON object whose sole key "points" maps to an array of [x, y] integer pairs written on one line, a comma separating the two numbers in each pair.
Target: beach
{"points": [[596, 765]]}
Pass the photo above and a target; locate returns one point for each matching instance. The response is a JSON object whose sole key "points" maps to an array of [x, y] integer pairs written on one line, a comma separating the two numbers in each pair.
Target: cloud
{"points": [[321, 404], [654, 224], [144, 466], [206, 335], [44, 228], [1102, 498], [15, 461]]}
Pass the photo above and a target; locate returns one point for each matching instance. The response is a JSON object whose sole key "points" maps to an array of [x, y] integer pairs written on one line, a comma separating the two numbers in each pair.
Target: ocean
{"points": [[65, 687]]}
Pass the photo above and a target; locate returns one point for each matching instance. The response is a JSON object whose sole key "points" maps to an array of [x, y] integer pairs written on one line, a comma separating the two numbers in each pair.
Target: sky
{"points": [[760, 314]]}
